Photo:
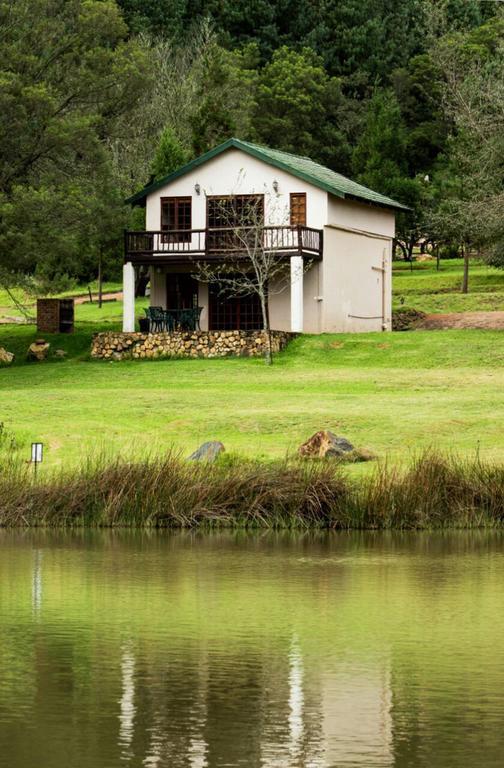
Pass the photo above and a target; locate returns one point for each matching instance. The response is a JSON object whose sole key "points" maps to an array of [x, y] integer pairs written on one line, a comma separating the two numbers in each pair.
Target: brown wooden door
{"points": [[181, 291], [233, 313]]}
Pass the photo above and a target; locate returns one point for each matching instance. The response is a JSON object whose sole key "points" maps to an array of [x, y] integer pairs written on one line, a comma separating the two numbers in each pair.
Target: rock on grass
{"points": [[208, 451], [325, 444]]}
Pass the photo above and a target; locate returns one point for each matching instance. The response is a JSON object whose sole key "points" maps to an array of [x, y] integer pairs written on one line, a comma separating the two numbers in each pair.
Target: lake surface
{"points": [[199, 651]]}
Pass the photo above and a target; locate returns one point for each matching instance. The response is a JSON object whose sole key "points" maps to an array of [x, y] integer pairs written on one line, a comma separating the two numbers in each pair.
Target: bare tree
{"points": [[251, 253], [169, 100], [472, 209]]}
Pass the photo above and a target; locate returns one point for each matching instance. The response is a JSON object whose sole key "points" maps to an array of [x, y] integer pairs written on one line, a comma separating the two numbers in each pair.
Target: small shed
{"points": [[55, 315]]}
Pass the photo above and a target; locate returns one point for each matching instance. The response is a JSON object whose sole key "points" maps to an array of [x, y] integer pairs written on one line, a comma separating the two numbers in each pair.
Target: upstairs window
{"points": [[235, 211], [298, 209], [176, 216], [232, 215]]}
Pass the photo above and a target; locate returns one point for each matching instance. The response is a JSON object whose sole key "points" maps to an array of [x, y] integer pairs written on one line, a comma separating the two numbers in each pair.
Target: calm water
{"points": [[131, 649]]}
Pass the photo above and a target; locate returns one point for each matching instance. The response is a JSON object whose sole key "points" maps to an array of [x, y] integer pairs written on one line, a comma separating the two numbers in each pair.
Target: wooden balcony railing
{"points": [[215, 244]]}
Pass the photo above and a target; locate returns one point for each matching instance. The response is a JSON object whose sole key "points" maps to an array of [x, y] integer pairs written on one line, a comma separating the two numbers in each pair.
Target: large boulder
{"points": [[6, 357], [208, 451], [38, 350], [325, 443]]}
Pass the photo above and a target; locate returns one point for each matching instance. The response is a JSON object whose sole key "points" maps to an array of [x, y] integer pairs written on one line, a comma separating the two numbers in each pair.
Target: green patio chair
{"points": [[189, 319], [156, 318], [169, 321]]}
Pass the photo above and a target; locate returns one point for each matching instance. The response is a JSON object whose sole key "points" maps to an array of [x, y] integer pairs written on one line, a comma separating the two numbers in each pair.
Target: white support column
{"points": [[296, 293], [128, 297]]}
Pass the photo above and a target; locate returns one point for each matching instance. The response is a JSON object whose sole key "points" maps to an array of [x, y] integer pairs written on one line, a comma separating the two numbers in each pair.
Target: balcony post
{"points": [[296, 293], [128, 297]]}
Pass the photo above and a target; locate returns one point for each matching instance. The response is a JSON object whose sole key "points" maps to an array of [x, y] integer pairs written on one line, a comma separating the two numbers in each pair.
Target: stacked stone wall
{"points": [[137, 346]]}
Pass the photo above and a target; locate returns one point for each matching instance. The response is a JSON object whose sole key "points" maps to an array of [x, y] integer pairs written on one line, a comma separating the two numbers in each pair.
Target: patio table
{"points": [[183, 319]]}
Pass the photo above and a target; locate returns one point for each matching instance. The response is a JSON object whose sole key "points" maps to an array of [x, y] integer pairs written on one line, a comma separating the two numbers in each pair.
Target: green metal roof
{"points": [[302, 167]]}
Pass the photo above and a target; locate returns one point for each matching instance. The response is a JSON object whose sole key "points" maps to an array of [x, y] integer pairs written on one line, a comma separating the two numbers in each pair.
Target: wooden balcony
{"points": [[228, 243]]}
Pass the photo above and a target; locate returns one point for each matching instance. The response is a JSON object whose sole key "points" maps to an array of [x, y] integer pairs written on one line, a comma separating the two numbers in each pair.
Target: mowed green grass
{"points": [[392, 393], [432, 291]]}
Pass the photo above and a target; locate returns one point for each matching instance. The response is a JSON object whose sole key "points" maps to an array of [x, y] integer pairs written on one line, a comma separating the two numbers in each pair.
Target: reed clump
{"points": [[433, 491]]}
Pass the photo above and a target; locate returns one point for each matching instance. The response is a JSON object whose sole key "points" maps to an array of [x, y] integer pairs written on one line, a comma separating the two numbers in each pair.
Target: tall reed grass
{"points": [[433, 491]]}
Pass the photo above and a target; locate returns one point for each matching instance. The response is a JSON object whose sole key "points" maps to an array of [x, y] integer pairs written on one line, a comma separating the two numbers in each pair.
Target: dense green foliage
{"points": [[169, 156], [301, 109], [68, 73], [99, 96], [370, 36]]}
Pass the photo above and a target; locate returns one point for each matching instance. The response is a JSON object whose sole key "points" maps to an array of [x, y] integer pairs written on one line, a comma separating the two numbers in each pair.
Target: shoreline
{"points": [[434, 491]]}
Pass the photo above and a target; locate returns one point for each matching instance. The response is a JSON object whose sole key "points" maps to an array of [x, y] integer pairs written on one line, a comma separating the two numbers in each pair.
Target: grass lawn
{"points": [[392, 393], [9, 309], [434, 291], [424, 288]]}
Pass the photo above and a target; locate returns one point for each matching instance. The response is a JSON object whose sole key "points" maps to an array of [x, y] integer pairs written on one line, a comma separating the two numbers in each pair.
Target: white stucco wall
{"points": [[346, 291], [280, 303], [360, 216], [357, 267], [234, 172]]}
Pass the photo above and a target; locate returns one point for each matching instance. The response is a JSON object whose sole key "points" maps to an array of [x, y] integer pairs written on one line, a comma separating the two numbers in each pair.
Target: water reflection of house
{"points": [[276, 709], [356, 717]]}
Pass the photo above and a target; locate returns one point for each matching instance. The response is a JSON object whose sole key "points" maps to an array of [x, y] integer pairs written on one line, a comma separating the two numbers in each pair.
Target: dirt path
{"points": [[8, 319], [85, 298], [492, 321]]}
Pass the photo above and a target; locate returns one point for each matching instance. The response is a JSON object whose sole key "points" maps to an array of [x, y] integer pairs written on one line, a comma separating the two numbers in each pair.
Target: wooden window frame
{"points": [[181, 237], [252, 196], [299, 196], [227, 241]]}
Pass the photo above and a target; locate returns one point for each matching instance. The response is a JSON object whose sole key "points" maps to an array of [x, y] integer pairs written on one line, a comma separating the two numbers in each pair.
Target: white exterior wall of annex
{"points": [[235, 172], [357, 267]]}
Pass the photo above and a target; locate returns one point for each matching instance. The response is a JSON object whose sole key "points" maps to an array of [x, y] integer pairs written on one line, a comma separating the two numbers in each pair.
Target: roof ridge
{"points": [[303, 157], [282, 152], [298, 165]]}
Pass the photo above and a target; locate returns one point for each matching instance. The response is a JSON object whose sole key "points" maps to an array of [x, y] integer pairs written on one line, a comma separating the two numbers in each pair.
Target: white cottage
{"points": [[335, 234]]}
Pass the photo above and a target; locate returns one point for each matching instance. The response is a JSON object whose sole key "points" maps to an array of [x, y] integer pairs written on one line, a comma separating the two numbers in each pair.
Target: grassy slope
{"points": [[8, 308], [424, 288], [392, 394], [431, 291]]}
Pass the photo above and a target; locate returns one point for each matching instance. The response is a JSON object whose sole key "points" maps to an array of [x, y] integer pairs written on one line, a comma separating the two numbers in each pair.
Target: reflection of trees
{"points": [[194, 652]]}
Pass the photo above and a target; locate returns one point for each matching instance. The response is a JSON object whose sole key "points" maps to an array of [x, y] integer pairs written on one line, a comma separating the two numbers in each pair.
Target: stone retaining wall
{"points": [[123, 346]]}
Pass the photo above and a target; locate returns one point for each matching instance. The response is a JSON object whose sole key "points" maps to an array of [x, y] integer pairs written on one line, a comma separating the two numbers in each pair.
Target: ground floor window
{"points": [[231, 313]]}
